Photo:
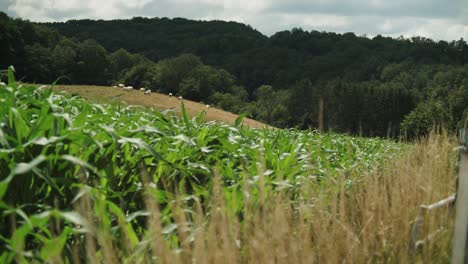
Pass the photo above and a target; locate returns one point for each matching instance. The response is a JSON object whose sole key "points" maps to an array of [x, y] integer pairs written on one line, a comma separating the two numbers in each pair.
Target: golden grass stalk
{"points": [[353, 219]]}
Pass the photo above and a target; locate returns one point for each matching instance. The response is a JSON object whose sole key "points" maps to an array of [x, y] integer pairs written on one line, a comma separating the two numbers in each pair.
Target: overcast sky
{"points": [[437, 19]]}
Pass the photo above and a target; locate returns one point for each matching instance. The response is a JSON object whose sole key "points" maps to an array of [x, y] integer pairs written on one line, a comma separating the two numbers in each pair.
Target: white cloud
{"points": [[235, 5], [438, 19], [438, 29], [50, 10], [29, 9], [319, 20], [271, 23]]}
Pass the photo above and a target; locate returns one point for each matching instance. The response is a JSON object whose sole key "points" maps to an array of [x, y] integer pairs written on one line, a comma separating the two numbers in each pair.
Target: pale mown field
{"points": [[155, 100]]}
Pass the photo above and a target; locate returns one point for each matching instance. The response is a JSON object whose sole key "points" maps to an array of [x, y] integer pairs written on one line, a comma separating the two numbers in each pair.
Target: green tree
{"points": [[235, 101], [173, 71], [39, 63], [11, 44], [267, 101], [301, 103], [137, 76], [121, 60], [64, 57], [92, 65], [426, 116], [203, 81]]}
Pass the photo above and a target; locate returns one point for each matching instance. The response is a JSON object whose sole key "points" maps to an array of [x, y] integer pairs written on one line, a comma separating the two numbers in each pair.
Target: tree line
{"points": [[376, 86]]}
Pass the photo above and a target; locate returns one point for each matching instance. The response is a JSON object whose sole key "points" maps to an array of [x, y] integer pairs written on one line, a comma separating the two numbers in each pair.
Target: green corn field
{"points": [[112, 183]]}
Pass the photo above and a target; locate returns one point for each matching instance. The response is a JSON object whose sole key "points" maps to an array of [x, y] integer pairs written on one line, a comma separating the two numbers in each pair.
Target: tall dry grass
{"points": [[350, 219]]}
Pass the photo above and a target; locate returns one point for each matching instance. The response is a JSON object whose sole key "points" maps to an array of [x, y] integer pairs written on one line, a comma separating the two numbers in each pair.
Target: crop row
{"points": [[54, 148]]}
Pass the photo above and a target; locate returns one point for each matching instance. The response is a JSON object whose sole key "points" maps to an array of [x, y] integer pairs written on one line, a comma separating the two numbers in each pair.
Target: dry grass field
{"points": [[155, 100]]}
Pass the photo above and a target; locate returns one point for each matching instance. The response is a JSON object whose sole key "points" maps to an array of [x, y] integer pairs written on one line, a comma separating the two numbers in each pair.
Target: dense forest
{"points": [[378, 86]]}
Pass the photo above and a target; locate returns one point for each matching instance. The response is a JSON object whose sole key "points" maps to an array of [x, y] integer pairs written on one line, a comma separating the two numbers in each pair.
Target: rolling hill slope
{"points": [[155, 101]]}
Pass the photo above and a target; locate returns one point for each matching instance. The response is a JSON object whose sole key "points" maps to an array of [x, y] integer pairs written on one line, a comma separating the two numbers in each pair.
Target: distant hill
{"points": [[159, 38], [255, 59], [307, 79]]}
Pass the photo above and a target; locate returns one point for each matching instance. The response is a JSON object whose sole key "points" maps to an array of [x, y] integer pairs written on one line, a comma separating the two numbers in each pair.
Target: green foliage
{"points": [[64, 57], [235, 101], [442, 99], [173, 71], [427, 116], [57, 151], [121, 60], [302, 104], [269, 105], [366, 86], [136, 76], [203, 81], [39, 62], [92, 65], [161, 38], [279, 60]]}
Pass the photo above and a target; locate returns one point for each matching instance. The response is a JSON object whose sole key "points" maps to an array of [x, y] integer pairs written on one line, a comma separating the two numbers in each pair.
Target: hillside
{"points": [[255, 59], [380, 86], [156, 101], [159, 38], [371, 86]]}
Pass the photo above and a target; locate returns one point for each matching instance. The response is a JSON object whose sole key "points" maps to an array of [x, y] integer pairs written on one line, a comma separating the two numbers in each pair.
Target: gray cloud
{"points": [[437, 19], [74, 13], [5, 4], [393, 8], [167, 8]]}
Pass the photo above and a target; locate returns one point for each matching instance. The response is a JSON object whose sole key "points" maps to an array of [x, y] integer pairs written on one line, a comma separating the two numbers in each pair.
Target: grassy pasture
{"points": [[85, 182], [157, 101]]}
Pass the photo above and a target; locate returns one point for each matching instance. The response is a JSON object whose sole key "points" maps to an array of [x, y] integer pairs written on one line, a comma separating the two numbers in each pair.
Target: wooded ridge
{"points": [[372, 86]]}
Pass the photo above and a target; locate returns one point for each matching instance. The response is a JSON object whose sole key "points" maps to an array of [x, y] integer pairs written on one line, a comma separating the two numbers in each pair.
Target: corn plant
{"points": [[75, 174]]}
